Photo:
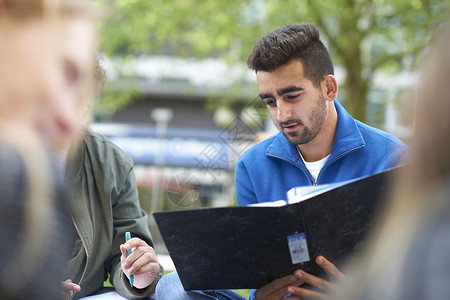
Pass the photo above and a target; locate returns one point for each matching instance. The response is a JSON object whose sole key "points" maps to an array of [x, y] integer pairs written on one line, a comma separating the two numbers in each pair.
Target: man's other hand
{"points": [[278, 289], [318, 283]]}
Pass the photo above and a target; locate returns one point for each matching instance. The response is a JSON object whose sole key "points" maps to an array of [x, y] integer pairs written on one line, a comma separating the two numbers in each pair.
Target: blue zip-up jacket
{"points": [[265, 172]]}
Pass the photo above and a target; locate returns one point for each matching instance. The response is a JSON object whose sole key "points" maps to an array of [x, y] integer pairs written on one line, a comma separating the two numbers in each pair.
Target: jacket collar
{"points": [[78, 203], [74, 160], [347, 138]]}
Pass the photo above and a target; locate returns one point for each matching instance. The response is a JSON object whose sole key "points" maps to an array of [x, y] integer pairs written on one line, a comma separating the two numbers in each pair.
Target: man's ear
{"points": [[330, 87]]}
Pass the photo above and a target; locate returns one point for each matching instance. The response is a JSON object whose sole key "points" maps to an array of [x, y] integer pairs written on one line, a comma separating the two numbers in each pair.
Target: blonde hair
{"points": [[39, 193], [40, 189], [418, 194]]}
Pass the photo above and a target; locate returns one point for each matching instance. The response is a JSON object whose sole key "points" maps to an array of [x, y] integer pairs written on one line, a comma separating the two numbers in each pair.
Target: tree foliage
{"points": [[362, 35]]}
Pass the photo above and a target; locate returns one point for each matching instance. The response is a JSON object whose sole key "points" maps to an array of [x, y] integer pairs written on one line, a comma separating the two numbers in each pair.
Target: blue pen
{"points": [[127, 238]]}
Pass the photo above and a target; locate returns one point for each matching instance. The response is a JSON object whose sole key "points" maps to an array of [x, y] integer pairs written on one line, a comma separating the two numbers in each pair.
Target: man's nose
{"points": [[284, 111]]}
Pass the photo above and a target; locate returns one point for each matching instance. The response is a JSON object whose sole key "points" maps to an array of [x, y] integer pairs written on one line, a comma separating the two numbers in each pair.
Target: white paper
{"points": [[105, 296], [302, 193]]}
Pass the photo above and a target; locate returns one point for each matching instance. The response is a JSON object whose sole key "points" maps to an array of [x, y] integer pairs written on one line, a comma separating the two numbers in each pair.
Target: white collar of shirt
{"points": [[314, 167]]}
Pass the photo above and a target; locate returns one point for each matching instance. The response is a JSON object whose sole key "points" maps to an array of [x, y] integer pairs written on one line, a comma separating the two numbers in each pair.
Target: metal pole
{"points": [[161, 116]]}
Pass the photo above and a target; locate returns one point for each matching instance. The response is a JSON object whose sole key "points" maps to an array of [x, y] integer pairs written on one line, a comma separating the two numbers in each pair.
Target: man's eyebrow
{"points": [[264, 96], [282, 91], [289, 89]]}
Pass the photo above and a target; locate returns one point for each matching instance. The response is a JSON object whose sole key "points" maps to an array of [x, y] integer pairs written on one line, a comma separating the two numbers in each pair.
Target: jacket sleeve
{"points": [[245, 193], [128, 216]]}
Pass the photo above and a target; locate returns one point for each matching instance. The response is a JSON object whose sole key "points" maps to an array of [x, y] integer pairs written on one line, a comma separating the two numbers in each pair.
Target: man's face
{"points": [[44, 71], [297, 108]]}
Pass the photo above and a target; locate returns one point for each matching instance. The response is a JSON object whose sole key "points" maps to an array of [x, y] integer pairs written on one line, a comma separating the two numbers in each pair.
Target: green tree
{"points": [[363, 36], [366, 35]]}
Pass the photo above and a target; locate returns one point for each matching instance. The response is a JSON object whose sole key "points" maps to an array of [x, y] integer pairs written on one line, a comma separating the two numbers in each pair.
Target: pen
{"points": [[127, 238]]}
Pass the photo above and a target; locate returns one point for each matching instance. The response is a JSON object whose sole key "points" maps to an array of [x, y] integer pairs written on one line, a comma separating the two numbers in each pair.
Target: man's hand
{"points": [[142, 262], [316, 282], [68, 288], [278, 289]]}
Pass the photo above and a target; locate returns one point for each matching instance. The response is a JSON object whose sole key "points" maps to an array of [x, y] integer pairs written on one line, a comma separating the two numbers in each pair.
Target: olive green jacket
{"points": [[104, 205]]}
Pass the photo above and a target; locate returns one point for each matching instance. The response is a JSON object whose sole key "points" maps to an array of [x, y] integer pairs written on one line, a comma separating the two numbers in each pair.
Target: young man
{"points": [[318, 142]]}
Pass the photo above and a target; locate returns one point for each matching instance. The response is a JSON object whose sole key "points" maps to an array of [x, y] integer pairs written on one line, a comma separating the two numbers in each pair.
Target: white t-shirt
{"points": [[314, 167]]}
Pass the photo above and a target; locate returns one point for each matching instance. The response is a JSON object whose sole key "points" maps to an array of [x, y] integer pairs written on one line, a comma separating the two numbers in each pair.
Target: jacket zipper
{"points": [[85, 249], [337, 157], [314, 182], [300, 166]]}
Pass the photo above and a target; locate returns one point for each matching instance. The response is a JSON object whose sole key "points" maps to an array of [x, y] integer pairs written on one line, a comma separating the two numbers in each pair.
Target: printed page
{"points": [[302, 193]]}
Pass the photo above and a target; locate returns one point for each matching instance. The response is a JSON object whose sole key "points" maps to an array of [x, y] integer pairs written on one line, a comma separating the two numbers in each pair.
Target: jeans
{"points": [[110, 292], [170, 288]]}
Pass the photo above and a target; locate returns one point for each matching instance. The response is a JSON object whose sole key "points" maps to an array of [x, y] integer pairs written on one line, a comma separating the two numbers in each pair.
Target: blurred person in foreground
{"points": [[408, 254], [55, 75], [37, 57], [318, 143]]}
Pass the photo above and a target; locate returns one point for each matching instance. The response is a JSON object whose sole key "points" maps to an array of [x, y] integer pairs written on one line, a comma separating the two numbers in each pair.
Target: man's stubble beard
{"points": [[305, 134]]}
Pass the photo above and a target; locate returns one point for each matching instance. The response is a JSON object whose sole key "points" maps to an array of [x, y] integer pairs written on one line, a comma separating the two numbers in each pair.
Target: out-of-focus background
{"points": [[182, 103]]}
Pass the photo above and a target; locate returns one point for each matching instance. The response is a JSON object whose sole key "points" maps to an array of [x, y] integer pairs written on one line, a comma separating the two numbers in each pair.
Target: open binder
{"points": [[248, 247]]}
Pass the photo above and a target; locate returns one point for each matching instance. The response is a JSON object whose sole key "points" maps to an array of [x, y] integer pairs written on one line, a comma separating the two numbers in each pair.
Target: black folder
{"points": [[248, 247]]}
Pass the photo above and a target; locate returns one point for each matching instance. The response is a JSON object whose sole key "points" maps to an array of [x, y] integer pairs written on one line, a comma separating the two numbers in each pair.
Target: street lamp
{"points": [[162, 116]]}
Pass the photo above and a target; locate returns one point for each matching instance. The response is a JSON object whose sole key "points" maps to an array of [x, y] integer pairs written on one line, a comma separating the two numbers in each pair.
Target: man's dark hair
{"points": [[295, 41]]}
